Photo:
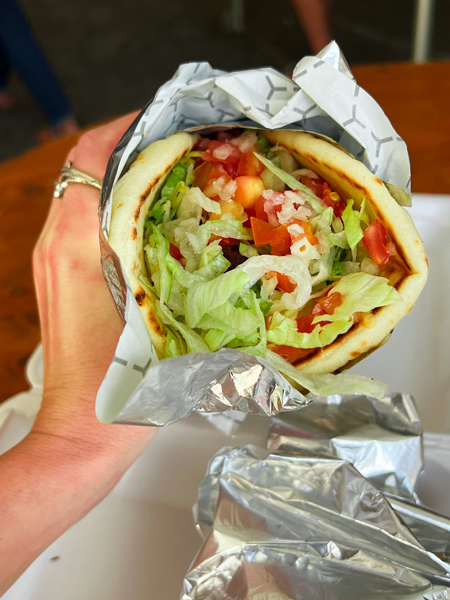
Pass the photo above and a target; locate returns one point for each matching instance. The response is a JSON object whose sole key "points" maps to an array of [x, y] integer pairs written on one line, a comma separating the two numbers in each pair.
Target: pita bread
{"points": [[135, 191], [133, 196]]}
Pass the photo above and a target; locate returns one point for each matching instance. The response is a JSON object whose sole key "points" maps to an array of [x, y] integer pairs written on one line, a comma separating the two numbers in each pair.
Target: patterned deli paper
{"points": [[323, 98]]}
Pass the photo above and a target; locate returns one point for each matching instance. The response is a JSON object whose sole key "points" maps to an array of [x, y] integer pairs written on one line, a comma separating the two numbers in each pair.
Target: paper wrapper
{"points": [[290, 526], [323, 98]]}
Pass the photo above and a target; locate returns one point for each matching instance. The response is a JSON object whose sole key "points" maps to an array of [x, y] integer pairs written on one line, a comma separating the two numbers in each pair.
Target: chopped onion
{"points": [[245, 142], [223, 152]]}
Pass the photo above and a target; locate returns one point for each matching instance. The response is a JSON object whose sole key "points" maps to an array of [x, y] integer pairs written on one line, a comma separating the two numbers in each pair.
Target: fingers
{"points": [[91, 156], [95, 147]]}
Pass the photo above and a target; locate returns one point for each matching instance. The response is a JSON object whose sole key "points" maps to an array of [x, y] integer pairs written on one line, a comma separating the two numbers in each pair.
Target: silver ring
{"points": [[70, 175]]}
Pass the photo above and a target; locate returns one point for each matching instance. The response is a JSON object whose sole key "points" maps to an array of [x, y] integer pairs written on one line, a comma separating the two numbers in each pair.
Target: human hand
{"points": [[70, 460], [79, 322]]}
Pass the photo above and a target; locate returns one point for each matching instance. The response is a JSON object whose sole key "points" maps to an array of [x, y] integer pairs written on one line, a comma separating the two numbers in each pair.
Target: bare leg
{"points": [[314, 16]]}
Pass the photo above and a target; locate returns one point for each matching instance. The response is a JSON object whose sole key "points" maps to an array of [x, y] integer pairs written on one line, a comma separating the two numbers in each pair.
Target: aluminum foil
{"points": [[329, 510], [381, 438], [225, 380], [288, 527], [322, 97]]}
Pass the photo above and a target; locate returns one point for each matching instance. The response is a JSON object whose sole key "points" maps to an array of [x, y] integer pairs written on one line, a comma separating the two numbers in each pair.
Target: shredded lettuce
{"points": [[289, 265], [209, 272], [223, 228], [352, 226], [206, 297], [175, 344], [263, 143], [162, 247], [260, 348], [336, 269], [339, 240], [323, 220], [284, 332], [322, 269], [230, 319], [247, 251], [271, 181], [194, 342], [178, 174], [325, 385], [194, 195], [361, 292], [209, 253], [317, 204], [171, 194], [217, 339]]}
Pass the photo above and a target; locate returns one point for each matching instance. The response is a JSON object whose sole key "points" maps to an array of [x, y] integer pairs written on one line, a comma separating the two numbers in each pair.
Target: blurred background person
{"points": [[315, 19], [112, 56], [20, 50]]}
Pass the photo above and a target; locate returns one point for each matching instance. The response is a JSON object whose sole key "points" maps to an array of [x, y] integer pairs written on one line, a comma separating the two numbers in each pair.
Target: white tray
{"points": [[140, 540]]}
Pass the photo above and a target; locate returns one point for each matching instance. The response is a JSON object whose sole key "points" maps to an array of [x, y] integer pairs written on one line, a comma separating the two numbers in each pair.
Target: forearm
{"points": [[51, 484]]}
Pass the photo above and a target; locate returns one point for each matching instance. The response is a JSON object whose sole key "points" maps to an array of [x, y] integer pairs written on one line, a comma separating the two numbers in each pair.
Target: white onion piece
{"points": [[306, 172], [223, 152], [292, 266], [245, 142]]}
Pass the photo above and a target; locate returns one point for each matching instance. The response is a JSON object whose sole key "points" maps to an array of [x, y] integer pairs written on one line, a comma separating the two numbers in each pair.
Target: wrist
{"points": [[50, 486], [67, 417]]}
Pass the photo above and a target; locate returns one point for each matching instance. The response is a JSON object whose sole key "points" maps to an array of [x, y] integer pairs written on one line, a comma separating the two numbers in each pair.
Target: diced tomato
{"points": [[374, 239], [285, 283], [227, 242], [175, 252], [216, 172], [333, 199], [249, 189], [262, 232], [290, 353], [308, 233], [281, 244], [316, 185], [260, 213], [202, 175], [249, 212], [327, 304], [250, 165], [277, 237], [305, 324], [201, 144], [230, 170]]}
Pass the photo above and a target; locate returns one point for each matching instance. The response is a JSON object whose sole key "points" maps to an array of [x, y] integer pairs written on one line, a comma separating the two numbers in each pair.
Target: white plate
{"points": [[140, 540]]}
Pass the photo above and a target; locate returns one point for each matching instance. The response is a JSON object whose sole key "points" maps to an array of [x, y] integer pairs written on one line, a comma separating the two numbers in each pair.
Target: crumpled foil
{"points": [[211, 383], [303, 522], [381, 438], [304, 527], [323, 98]]}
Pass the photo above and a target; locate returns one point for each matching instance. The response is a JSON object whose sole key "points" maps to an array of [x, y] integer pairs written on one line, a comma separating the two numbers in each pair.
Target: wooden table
{"points": [[415, 98]]}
